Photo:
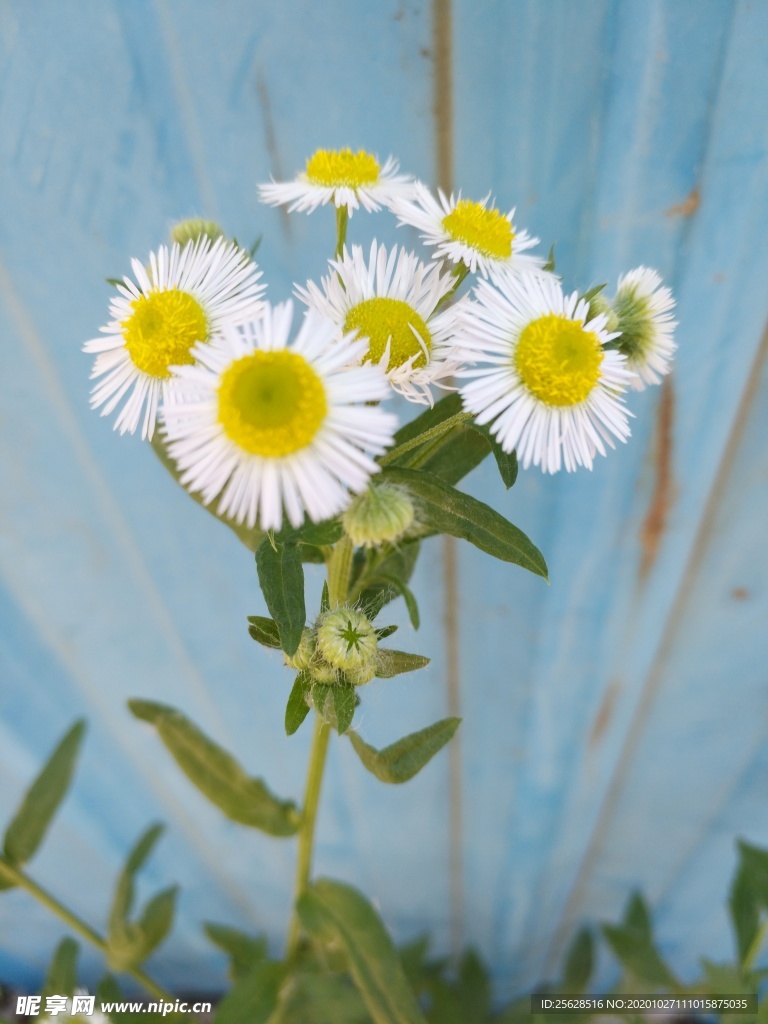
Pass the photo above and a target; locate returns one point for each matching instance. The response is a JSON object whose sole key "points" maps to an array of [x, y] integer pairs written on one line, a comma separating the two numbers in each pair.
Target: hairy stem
{"points": [[320, 739], [18, 877], [339, 568], [342, 219]]}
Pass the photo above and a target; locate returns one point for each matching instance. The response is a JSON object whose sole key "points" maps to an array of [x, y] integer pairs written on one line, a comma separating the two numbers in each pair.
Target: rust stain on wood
{"points": [[689, 205], [655, 521], [604, 713], [740, 594]]}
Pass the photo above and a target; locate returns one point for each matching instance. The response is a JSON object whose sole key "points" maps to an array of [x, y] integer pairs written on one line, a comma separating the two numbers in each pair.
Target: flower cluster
{"points": [[276, 428]]}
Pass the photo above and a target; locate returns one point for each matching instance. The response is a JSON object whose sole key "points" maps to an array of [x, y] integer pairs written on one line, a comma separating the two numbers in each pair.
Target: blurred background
{"points": [[615, 722]]}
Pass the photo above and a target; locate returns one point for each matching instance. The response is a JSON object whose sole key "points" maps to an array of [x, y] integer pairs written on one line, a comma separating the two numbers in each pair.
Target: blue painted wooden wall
{"points": [[614, 723]]}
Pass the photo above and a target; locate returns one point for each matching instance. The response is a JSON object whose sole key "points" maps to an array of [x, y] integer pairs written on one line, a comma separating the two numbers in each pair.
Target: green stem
{"points": [[18, 877], [342, 219], [320, 739], [339, 568], [756, 945], [460, 271], [429, 435]]}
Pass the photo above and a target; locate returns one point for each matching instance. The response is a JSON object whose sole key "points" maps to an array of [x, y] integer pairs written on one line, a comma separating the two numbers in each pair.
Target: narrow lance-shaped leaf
{"points": [[446, 510], [579, 961], [281, 577], [157, 918], [332, 912], [124, 935], [391, 663], [264, 631], [505, 461], [632, 942], [253, 998], [61, 979], [244, 951], [297, 708], [27, 829], [217, 774], [400, 761]]}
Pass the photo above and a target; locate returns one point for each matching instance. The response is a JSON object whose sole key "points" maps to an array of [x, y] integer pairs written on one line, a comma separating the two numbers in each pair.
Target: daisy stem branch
{"points": [[339, 567], [49, 901], [342, 219], [460, 271], [320, 739], [429, 435]]}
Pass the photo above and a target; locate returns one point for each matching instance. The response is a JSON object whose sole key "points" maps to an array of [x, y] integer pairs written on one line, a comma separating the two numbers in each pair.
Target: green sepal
{"points": [[264, 631], [400, 761], [244, 951], [30, 823], [325, 600], [281, 577], [589, 295], [391, 663], [446, 510], [251, 536], [61, 979], [506, 462], [337, 914], [579, 962], [297, 708], [549, 266], [115, 281], [632, 943], [217, 774], [253, 997]]}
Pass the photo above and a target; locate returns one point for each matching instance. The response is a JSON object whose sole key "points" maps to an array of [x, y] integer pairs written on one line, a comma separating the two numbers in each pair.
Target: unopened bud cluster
{"points": [[383, 513], [341, 648]]}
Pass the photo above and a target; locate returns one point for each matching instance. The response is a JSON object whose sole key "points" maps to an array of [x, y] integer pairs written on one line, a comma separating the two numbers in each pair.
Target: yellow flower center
{"points": [[558, 361], [162, 330], [383, 320], [333, 167], [271, 403], [488, 231]]}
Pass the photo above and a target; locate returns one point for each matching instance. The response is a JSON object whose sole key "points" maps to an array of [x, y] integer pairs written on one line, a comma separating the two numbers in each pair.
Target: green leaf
{"points": [[589, 295], [297, 709], [579, 962], [282, 582], [245, 951], [338, 913], [749, 893], [27, 829], [315, 534], [447, 510], [394, 663], [251, 536], [386, 631], [217, 774], [400, 761], [314, 998], [460, 452], [253, 998], [632, 943], [61, 979], [125, 937], [264, 631], [157, 919], [550, 264], [404, 591], [344, 704], [505, 461]]}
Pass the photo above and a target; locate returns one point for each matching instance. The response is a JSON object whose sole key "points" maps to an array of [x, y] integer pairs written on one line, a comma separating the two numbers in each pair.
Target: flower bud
{"points": [[347, 640], [361, 676], [322, 672], [644, 313], [599, 304], [190, 230], [382, 513], [302, 659]]}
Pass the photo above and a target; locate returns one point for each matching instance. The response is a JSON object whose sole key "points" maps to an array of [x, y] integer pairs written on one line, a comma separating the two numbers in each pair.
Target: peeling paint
{"points": [[663, 496]]}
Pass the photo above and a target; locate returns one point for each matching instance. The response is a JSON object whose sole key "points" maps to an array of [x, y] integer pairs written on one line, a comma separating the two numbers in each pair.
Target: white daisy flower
{"points": [[644, 312], [277, 430], [342, 177], [390, 301], [185, 297], [468, 232], [552, 390]]}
